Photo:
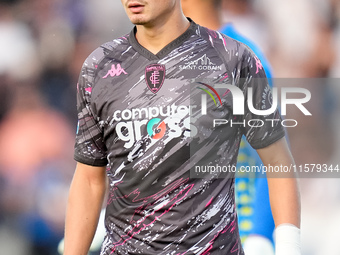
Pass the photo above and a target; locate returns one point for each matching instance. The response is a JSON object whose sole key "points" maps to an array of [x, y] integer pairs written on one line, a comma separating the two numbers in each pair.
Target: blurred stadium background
{"points": [[43, 44]]}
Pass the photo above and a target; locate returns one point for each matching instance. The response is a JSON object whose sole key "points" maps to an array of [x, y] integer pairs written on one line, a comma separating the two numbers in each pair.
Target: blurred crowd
{"points": [[42, 47]]}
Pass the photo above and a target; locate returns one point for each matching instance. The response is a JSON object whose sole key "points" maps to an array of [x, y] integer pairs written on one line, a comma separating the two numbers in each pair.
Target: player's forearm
{"points": [[284, 200], [283, 187], [285, 204], [83, 209]]}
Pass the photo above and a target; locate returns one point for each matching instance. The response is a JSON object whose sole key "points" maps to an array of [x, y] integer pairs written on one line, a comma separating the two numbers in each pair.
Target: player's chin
{"points": [[139, 23], [138, 20]]}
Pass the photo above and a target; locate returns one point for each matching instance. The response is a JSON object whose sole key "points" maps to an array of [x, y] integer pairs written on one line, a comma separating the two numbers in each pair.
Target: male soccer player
{"points": [[141, 125], [256, 224]]}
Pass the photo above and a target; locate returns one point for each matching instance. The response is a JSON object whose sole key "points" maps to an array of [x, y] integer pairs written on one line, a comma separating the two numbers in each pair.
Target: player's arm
{"points": [[284, 197], [268, 139], [84, 204]]}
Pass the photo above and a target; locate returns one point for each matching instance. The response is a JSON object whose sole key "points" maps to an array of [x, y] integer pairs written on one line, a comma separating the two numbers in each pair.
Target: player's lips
{"points": [[135, 7]]}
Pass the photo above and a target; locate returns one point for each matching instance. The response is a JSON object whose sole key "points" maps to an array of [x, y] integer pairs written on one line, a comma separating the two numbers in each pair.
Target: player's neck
{"points": [[154, 38], [205, 15]]}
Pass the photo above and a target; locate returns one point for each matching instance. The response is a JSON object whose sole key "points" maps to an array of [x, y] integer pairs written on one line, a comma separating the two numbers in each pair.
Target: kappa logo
{"points": [[115, 71], [202, 63], [154, 77], [258, 64]]}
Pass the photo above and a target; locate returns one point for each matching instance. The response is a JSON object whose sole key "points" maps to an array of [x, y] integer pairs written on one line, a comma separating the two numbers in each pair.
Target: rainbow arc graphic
{"points": [[209, 93]]}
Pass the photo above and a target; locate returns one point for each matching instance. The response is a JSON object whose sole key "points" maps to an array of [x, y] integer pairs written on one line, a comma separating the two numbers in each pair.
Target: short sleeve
{"points": [[89, 147], [260, 130]]}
